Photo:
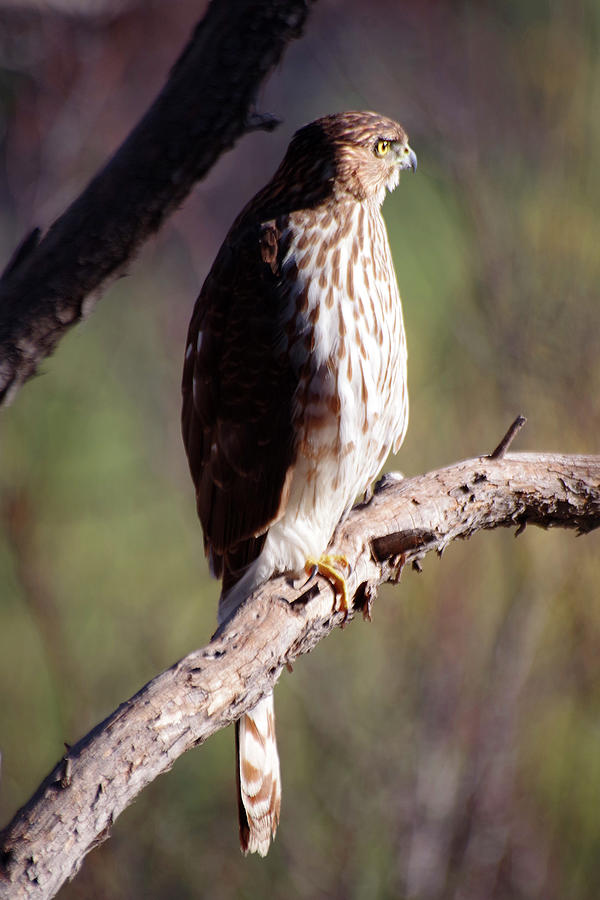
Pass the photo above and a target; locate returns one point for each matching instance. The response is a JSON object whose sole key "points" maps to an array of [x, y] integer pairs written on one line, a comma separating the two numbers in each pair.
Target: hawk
{"points": [[294, 384]]}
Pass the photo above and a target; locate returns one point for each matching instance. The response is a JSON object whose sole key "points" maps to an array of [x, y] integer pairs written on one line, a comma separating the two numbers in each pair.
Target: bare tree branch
{"points": [[74, 808], [508, 438], [205, 106]]}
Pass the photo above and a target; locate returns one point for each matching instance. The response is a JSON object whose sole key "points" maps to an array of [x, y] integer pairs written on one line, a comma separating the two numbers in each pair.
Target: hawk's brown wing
{"points": [[238, 387]]}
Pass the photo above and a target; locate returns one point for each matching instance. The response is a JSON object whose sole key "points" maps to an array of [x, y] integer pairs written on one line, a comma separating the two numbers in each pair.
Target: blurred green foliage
{"points": [[452, 748]]}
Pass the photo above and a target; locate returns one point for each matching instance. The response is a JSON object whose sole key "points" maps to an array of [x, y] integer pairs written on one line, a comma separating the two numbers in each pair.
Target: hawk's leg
{"points": [[329, 567]]}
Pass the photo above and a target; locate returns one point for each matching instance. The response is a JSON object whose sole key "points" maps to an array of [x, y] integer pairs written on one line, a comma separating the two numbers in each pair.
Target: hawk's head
{"points": [[353, 153]]}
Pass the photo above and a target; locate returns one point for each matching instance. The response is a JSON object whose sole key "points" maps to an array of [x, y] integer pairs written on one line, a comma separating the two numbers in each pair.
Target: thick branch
{"points": [[205, 106], [74, 808]]}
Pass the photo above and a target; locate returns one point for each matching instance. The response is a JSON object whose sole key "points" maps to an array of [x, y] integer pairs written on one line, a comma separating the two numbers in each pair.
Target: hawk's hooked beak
{"points": [[407, 159]]}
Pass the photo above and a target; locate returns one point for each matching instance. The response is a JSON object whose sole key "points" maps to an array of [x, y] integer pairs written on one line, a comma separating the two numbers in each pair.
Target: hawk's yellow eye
{"points": [[381, 148]]}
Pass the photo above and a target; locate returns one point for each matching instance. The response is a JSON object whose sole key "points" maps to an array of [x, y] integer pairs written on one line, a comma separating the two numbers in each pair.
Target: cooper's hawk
{"points": [[294, 383]]}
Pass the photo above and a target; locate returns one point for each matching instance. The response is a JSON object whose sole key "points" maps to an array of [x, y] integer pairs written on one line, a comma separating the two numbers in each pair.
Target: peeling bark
{"points": [[74, 808]]}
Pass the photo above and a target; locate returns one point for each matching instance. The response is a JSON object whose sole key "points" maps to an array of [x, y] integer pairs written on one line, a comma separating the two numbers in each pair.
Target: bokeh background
{"points": [[451, 749]]}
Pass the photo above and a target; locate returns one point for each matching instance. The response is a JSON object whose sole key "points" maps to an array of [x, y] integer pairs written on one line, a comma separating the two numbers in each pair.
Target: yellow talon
{"points": [[327, 566]]}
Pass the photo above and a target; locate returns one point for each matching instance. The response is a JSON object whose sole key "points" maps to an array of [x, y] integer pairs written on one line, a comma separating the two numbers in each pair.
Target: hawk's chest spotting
{"points": [[345, 336]]}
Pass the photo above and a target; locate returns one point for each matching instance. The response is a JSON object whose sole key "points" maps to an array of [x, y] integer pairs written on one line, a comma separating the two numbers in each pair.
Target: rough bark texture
{"points": [[74, 808], [205, 106]]}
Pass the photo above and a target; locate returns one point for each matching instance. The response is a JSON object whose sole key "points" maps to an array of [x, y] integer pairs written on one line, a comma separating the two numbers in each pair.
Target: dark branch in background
{"points": [[74, 808], [205, 106]]}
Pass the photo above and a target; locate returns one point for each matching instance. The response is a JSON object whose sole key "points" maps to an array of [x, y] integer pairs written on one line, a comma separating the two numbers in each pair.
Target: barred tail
{"points": [[258, 778]]}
